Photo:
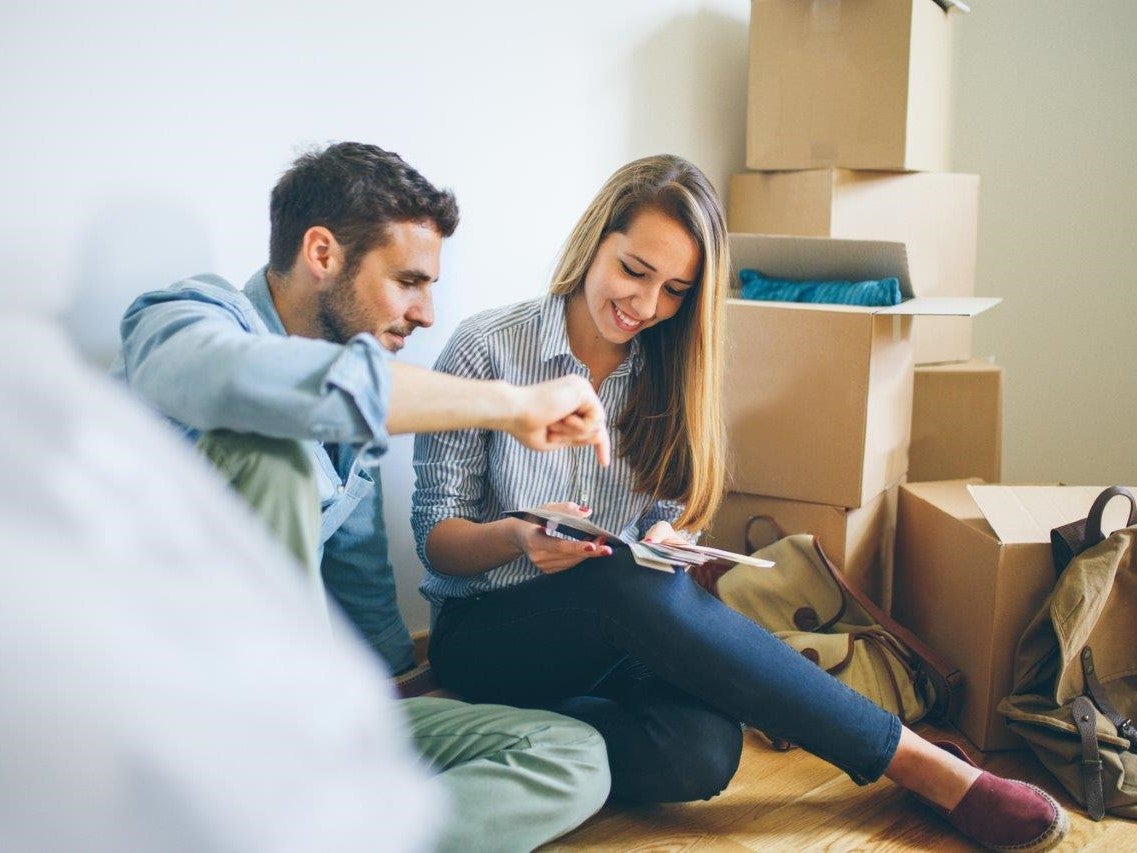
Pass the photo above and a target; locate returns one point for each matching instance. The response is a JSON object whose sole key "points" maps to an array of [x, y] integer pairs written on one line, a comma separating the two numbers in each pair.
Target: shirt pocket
{"points": [[344, 498]]}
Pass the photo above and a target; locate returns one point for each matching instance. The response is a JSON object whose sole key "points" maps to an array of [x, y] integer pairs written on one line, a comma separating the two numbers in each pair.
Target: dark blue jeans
{"points": [[661, 668]]}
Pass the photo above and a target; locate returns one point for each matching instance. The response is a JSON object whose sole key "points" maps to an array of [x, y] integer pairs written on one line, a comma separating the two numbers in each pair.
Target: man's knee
{"points": [[557, 774], [578, 752], [594, 777], [241, 457], [275, 477]]}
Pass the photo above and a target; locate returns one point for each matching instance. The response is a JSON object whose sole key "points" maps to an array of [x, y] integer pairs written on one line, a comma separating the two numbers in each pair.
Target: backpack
{"points": [[1075, 685]]}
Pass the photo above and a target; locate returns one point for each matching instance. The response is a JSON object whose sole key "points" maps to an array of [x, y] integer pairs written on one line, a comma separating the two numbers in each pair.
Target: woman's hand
{"points": [[664, 533], [551, 554]]}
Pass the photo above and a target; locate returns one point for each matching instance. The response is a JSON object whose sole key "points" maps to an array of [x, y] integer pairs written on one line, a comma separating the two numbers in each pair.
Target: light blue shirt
{"points": [[208, 356], [478, 474]]}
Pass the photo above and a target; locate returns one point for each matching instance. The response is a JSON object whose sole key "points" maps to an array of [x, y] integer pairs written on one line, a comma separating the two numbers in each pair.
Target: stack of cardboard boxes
{"points": [[854, 423], [847, 132]]}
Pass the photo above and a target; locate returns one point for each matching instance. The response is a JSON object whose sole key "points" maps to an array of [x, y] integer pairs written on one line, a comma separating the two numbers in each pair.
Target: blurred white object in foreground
{"points": [[165, 681]]}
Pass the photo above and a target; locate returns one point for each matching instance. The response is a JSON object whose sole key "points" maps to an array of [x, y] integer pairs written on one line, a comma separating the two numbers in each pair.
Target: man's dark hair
{"points": [[355, 191]]}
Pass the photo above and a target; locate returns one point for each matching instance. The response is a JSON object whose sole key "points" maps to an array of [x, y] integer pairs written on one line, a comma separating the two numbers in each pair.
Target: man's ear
{"points": [[320, 253]]}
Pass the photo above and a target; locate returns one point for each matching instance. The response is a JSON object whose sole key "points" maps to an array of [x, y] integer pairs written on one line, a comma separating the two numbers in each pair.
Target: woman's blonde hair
{"points": [[671, 432]]}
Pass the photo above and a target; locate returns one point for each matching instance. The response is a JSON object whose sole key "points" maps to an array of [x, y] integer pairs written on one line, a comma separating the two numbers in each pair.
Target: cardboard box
{"points": [[972, 568], [858, 541], [957, 422], [862, 84], [934, 215], [818, 398]]}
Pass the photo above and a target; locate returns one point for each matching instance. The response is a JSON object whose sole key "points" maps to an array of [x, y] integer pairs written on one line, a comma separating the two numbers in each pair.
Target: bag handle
{"points": [[773, 533], [1070, 540], [1093, 520]]}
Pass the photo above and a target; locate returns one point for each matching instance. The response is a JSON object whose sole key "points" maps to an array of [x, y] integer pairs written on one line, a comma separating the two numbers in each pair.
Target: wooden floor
{"points": [[793, 801]]}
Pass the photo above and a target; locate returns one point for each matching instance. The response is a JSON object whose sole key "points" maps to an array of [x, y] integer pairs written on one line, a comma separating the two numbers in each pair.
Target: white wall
{"points": [[1045, 114], [141, 139], [140, 143]]}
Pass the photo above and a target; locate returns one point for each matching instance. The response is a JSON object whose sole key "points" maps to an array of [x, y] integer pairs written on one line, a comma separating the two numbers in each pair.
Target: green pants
{"points": [[515, 778], [275, 477]]}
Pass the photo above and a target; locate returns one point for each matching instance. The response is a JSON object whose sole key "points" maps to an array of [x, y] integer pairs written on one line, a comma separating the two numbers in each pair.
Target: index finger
{"points": [[603, 446], [575, 429]]}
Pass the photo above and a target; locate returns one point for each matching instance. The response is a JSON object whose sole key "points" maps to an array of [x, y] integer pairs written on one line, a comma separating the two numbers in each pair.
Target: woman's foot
{"points": [[1005, 814], [939, 777]]}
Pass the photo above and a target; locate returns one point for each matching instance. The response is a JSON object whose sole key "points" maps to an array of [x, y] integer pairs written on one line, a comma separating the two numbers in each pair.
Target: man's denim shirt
{"points": [[208, 356]]}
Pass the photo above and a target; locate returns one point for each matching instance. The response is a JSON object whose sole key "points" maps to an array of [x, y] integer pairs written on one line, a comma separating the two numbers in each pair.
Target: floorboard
{"points": [[794, 801]]}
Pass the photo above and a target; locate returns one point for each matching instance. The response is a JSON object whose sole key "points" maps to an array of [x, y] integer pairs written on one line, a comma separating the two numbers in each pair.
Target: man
{"points": [[289, 389]]}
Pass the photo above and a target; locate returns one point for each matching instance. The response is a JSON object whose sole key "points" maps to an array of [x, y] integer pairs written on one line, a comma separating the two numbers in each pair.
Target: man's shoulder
{"points": [[202, 287], [208, 291]]}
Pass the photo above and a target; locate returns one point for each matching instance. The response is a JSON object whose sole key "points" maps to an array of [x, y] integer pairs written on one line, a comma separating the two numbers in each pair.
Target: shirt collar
{"points": [[554, 329], [257, 292], [555, 342]]}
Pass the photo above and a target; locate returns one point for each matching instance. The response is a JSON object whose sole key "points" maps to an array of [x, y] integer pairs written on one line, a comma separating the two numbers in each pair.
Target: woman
{"points": [[662, 669]]}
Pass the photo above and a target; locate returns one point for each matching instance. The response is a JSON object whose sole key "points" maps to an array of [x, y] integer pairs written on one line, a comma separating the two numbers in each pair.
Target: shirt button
{"points": [[339, 489]]}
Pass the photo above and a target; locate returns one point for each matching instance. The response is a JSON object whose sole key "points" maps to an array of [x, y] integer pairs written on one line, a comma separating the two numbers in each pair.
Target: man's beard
{"points": [[340, 318], [337, 312]]}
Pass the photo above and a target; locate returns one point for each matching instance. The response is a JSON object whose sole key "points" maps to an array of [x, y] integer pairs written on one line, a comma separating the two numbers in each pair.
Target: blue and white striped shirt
{"points": [[479, 474]]}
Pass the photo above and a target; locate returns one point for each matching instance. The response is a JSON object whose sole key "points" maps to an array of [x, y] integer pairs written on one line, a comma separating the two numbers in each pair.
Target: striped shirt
{"points": [[479, 474]]}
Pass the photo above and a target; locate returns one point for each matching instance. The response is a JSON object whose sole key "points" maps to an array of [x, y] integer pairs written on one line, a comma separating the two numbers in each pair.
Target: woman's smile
{"points": [[624, 321]]}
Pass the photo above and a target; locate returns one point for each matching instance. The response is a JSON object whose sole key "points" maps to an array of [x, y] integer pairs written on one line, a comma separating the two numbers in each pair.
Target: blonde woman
{"points": [[662, 669]]}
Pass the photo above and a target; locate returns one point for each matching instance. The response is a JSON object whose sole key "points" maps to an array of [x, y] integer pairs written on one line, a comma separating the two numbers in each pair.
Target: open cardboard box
{"points": [[934, 214], [972, 567], [818, 398]]}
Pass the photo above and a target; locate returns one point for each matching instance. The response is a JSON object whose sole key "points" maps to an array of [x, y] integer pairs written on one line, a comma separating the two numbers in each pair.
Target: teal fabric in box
{"points": [[876, 293]]}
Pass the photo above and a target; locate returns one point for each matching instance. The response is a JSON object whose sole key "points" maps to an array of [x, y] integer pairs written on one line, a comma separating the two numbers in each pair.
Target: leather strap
{"points": [[1084, 719], [1096, 692], [1070, 540], [946, 680]]}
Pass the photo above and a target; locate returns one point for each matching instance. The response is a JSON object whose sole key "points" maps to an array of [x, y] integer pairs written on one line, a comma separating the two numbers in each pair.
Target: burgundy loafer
{"points": [[1006, 814]]}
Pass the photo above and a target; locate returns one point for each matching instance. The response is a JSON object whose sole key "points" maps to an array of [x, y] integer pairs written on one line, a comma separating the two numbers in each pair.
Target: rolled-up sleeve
{"points": [[668, 511], [451, 467], [193, 356]]}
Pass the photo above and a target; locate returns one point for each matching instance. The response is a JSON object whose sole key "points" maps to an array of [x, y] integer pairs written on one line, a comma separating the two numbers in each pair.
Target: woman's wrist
{"points": [[514, 532]]}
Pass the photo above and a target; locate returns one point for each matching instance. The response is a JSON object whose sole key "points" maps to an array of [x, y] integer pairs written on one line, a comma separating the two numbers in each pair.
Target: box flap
{"points": [[1021, 514], [974, 365], [943, 306]]}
